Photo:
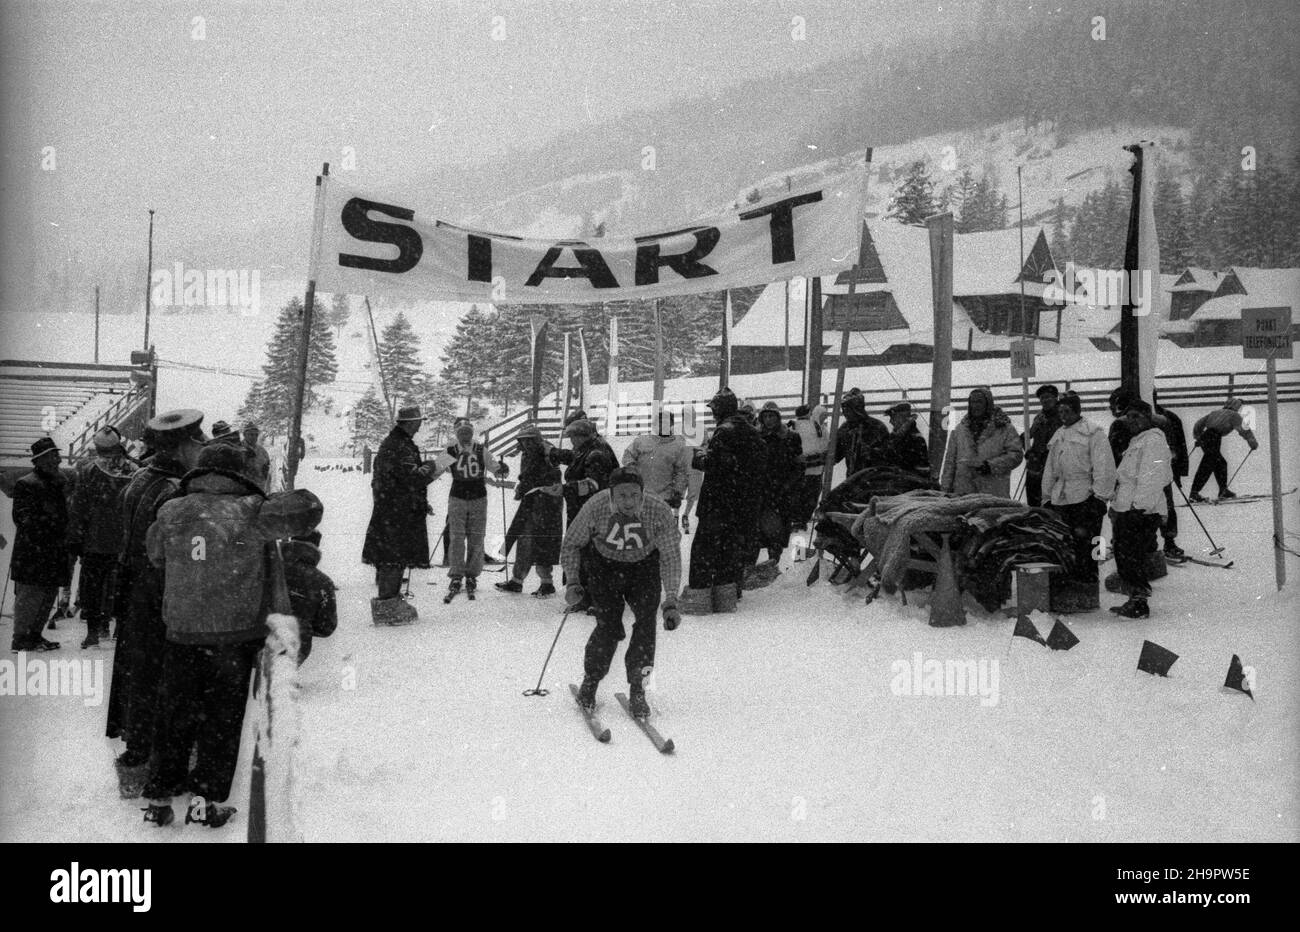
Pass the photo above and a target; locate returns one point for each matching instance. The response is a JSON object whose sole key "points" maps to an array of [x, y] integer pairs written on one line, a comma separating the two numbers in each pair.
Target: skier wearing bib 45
{"points": [[467, 506], [634, 554]]}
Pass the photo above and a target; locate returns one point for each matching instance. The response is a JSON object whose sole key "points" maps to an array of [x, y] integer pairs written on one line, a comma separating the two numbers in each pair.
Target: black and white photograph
{"points": [[651, 421]]}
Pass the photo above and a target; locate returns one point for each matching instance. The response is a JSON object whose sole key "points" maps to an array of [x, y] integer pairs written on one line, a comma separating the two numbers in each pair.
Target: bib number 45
{"points": [[626, 534]]}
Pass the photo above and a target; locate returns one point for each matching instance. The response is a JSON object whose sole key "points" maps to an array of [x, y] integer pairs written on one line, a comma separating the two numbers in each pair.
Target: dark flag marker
{"points": [[1061, 638], [1237, 678], [1156, 659], [1025, 629]]}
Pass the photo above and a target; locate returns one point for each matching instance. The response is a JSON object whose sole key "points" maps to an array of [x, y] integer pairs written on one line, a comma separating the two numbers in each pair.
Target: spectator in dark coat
{"points": [[906, 449], [1176, 437], [726, 510], [95, 529], [861, 437], [176, 438], [587, 465], [1046, 422], [779, 471], [40, 563], [537, 523], [214, 611], [397, 536], [1119, 434]]}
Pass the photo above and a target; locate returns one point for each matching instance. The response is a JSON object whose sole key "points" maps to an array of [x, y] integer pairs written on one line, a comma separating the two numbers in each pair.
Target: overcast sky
{"points": [[219, 114]]}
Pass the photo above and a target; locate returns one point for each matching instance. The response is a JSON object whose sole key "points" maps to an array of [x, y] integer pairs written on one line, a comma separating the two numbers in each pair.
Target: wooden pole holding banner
{"points": [[724, 366], [813, 343], [941, 422], [659, 356], [292, 457], [568, 379], [1024, 321], [611, 396], [1275, 476], [96, 323]]}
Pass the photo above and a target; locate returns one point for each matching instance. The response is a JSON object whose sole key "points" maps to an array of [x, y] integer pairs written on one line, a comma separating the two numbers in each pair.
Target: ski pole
{"points": [[1217, 550], [4, 594], [1019, 484], [1239, 465], [537, 690]]}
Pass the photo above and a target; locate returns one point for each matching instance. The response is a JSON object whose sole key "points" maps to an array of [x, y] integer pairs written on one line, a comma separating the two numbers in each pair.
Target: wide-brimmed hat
{"points": [[410, 413], [903, 407], [223, 431], [580, 428], [181, 421], [43, 447]]}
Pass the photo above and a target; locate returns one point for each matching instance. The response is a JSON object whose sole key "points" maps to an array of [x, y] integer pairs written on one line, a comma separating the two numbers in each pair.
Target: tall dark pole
{"points": [[1024, 321], [148, 285], [304, 343], [96, 323]]}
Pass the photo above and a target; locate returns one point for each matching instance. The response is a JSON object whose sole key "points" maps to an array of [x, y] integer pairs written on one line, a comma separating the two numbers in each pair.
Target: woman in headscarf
{"points": [[984, 449]]}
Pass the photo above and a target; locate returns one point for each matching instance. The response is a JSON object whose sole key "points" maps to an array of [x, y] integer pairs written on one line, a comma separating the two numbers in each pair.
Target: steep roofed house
{"points": [[1217, 320]]}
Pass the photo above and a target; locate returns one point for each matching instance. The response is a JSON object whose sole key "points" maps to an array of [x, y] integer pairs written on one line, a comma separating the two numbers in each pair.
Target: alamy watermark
{"points": [[1096, 288], [951, 677], [37, 676], [182, 287]]}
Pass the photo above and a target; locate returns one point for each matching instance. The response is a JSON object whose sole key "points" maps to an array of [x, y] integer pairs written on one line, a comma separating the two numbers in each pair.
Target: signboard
{"points": [[1266, 332], [1022, 359]]}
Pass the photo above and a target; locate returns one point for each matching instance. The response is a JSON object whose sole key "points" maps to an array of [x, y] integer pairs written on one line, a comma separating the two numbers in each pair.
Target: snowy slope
{"points": [[783, 714]]}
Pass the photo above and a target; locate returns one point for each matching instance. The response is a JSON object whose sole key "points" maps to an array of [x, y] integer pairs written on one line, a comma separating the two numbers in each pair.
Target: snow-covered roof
{"points": [[1264, 288], [1196, 280], [765, 322]]}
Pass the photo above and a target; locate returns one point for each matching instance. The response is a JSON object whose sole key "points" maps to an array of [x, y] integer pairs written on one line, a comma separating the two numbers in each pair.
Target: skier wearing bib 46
{"points": [[467, 506], [634, 554]]}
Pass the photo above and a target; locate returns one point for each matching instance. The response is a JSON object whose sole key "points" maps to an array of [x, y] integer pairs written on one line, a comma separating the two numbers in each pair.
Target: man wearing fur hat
{"points": [[861, 436], [397, 536], [177, 438], [210, 542], [467, 506], [95, 529], [985, 448], [906, 449], [40, 563]]}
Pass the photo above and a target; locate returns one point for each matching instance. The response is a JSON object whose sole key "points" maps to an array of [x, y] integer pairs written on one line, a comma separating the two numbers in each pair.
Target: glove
{"points": [[1254, 445], [674, 501], [672, 617], [503, 470], [587, 486], [428, 509], [984, 469], [573, 595], [428, 470]]}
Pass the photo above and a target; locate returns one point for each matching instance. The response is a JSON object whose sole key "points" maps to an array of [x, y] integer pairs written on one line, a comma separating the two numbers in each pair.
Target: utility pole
{"points": [[148, 285], [97, 323]]}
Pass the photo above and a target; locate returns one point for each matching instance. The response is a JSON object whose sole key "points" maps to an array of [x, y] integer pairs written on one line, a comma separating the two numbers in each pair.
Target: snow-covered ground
{"points": [[787, 716]]}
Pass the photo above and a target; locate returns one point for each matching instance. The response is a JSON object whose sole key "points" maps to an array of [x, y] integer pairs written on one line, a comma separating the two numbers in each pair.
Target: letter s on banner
{"points": [[356, 220]]}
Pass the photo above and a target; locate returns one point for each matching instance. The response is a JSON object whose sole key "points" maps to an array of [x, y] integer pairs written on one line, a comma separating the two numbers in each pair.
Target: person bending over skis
{"points": [[634, 553]]}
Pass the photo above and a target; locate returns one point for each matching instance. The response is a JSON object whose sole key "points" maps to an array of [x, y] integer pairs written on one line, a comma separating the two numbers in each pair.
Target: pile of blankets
{"points": [[990, 534]]}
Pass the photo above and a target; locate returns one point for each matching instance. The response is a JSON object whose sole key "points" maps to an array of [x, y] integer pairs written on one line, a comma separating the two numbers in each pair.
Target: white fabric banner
{"points": [[374, 246], [1150, 309]]}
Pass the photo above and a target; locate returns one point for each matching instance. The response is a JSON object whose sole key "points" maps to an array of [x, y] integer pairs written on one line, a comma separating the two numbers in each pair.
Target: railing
{"points": [[1177, 390], [109, 416]]}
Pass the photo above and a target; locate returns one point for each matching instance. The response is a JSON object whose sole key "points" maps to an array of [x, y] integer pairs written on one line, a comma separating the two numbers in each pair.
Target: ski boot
{"points": [[587, 693], [393, 611], [159, 814], [1226, 493], [453, 589], [1174, 553], [43, 644], [544, 591], [510, 585], [636, 700], [213, 815], [1196, 498], [471, 586], [1135, 607]]}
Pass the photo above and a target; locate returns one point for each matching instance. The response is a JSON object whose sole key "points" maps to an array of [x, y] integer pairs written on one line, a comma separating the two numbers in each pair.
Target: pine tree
{"points": [[399, 356], [340, 312], [913, 200], [273, 397], [983, 209], [1176, 252], [370, 420], [465, 361], [1060, 241]]}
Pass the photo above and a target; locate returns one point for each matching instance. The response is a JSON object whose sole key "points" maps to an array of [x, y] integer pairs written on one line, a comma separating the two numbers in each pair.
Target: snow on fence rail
{"points": [[1175, 390]]}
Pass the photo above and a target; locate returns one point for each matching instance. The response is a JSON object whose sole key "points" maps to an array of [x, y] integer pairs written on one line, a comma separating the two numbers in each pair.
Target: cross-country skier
{"points": [[467, 506], [1208, 433], [629, 542]]}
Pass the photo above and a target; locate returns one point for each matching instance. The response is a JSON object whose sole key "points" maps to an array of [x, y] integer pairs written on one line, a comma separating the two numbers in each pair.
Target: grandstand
{"points": [[67, 402]]}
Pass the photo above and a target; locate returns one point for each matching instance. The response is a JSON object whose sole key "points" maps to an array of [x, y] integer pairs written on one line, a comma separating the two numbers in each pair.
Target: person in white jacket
{"points": [[662, 459], [1078, 480], [809, 424], [1139, 507]]}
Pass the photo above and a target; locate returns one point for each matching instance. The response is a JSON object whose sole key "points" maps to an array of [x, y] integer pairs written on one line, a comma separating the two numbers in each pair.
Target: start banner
{"points": [[376, 246]]}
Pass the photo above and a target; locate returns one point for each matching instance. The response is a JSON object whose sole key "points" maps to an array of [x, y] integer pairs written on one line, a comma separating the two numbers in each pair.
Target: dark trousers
{"points": [[32, 606], [388, 578], [1212, 463], [1135, 538], [98, 583], [807, 494], [205, 690], [1034, 489], [142, 648], [716, 554], [1169, 530], [1085, 519], [613, 585]]}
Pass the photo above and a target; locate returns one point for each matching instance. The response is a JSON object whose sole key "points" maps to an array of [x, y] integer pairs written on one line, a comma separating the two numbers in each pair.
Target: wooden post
{"points": [[148, 291], [292, 457], [813, 343], [787, 325], [835, 407], [941, 229], [724, 364], [96, 323], [1275, 470], [659, 355], [568, 380], [611, 395]]}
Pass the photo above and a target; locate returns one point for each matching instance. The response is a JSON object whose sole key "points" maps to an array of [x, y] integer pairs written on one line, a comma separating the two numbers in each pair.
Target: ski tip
{"points": [[668, 747], [603, 737]]}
